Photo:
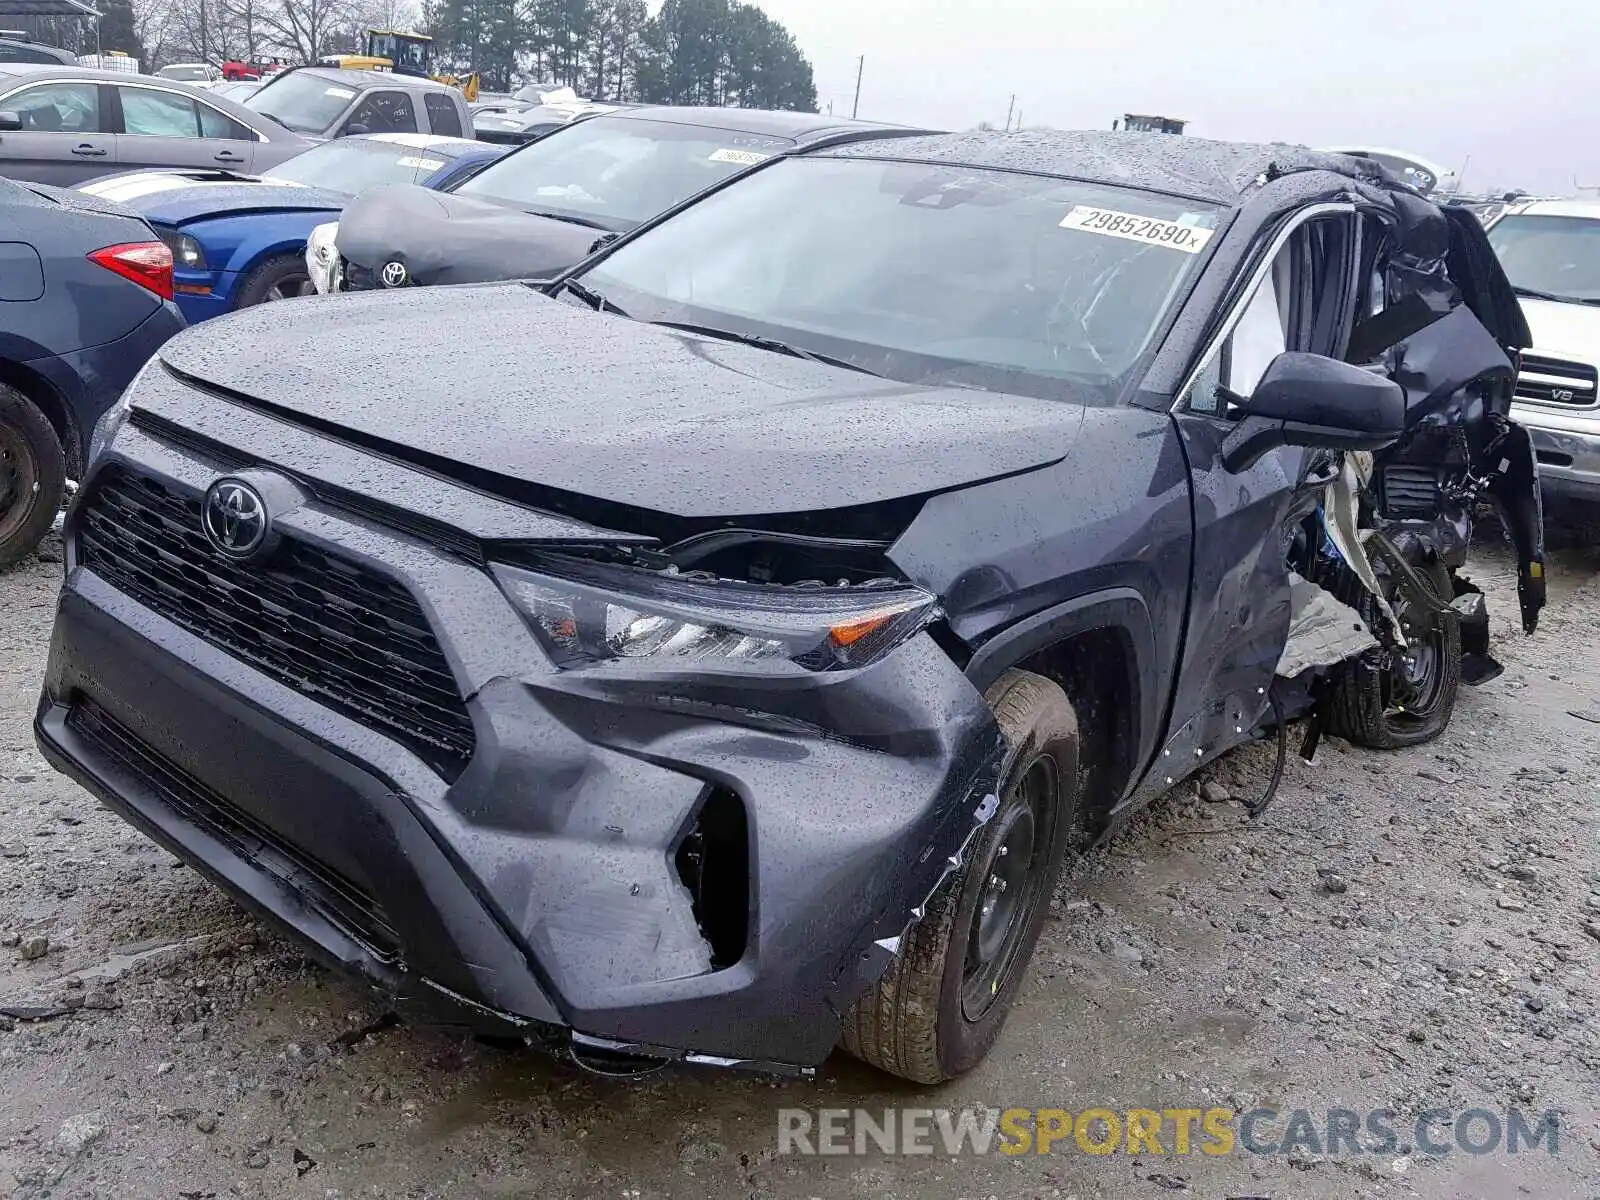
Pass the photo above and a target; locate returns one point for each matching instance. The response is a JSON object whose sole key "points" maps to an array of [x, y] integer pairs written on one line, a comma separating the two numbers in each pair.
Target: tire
{"points": [[1386, 708], [936, 1013], [282, 278], [33, 475]]}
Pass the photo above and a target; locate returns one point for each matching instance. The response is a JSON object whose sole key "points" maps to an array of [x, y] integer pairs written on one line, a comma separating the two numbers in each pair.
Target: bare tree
{"points": [[306, 29]]}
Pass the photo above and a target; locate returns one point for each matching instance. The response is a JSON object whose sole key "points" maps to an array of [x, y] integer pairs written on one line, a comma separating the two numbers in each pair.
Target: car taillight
{"points": [[149, 264]]}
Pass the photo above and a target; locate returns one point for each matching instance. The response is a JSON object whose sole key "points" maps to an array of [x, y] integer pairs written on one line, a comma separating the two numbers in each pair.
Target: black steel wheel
{"points": [[1388, 699], [942, 1002]]}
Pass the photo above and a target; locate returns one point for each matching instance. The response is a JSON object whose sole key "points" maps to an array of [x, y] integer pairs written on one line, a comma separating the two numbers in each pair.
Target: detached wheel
{"points": [[941, 1004], [281, 278], [1389, 700], [33, 475]]}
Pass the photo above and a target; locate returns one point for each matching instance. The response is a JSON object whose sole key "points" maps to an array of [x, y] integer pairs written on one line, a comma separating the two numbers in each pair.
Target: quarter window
{"points": [[214, 124]]}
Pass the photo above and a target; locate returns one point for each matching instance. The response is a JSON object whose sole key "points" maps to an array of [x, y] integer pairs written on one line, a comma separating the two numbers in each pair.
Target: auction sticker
{"points": [[1151, 230], [420, 164], [744, 158]]}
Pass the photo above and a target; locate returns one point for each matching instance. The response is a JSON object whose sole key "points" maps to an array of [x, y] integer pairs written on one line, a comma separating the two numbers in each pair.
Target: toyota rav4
{"points": [[730, 667]]}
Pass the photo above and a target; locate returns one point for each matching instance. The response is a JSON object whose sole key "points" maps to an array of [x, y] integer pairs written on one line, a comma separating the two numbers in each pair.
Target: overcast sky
{"points": [[1513, 83]]}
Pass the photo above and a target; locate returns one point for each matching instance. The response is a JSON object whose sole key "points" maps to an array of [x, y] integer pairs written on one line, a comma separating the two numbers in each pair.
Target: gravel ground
{"points": [[1409, 931]]}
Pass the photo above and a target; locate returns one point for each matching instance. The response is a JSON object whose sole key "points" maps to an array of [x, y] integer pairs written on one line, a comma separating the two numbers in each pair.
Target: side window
{"points": [[157, 114], [442, 118], [385, 112], [57, 108], [1302, 303], [214, 124]]}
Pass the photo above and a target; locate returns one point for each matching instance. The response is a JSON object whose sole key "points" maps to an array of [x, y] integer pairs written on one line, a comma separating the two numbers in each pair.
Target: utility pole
{"points": [[1010, 108], [205, 52], [861, 65]]}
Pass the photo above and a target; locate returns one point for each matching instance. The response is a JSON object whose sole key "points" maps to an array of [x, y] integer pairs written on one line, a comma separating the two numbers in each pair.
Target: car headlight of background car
{"points": [[585, 613], [322, 258], [187, 253]]}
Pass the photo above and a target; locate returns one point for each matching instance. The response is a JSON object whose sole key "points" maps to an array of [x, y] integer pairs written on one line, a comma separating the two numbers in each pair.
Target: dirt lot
{"points": [[1411, 931]]}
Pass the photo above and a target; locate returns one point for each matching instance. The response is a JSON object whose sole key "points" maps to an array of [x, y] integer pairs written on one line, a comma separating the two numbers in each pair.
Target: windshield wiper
{"points": [[570, 219], [589, 296], [1531, 294], [766, 343]]}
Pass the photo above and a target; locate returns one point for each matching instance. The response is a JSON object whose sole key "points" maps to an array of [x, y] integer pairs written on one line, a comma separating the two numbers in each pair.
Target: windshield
{"points": [[924, 273], [354, 164], [618, 172], [1558, 256], [186, 73], [305, 103]]}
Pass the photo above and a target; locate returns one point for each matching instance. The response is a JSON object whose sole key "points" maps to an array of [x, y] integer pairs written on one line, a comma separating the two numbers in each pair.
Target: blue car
{"points": [[239, 240]]}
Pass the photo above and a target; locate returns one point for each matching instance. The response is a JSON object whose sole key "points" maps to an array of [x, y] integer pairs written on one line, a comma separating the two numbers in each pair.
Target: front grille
{"points": [[1409, 492], [1559, 382], [354, 639], [344, 902]]}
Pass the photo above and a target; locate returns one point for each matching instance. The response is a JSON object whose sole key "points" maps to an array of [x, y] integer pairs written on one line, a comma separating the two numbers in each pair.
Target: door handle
{"points": [[88, 151], [227, 156]]}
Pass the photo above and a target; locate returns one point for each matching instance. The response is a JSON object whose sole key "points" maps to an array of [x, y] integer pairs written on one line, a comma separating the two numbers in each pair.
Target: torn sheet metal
{"points": [[1340, 506], [1323, 630]]}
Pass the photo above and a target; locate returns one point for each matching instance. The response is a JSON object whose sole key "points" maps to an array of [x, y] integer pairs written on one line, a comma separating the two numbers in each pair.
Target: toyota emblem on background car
{"points": [[394, 274], [234, 517]]}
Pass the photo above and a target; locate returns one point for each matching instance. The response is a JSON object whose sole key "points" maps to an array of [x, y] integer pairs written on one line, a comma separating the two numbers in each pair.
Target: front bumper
{"points": [[1567, 446], [542, 890]]}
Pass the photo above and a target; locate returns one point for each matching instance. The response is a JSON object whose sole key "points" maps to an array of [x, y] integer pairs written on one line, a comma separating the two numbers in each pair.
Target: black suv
{"points": [[715, 654]]}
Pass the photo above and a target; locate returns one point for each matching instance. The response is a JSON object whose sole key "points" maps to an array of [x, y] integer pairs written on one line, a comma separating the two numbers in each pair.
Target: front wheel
{"points": [[33, 475], [1390, 699], [941, 1004], [281, 278]]}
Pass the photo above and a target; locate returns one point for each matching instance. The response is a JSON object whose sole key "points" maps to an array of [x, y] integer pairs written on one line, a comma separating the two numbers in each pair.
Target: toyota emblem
{"points": [[234, 517], [394, 274]]}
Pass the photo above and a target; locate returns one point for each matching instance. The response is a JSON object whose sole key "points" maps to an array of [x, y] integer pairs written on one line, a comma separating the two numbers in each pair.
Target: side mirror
{"points": [[355, 130], [1309, 400], [10, 122]]}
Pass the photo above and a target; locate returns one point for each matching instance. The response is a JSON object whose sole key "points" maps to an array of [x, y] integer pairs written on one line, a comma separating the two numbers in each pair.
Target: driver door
{"points": [[1299, 296]]}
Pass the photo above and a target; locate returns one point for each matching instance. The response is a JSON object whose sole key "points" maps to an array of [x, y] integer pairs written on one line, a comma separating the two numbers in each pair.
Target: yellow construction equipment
{"points": [[404, 54]]}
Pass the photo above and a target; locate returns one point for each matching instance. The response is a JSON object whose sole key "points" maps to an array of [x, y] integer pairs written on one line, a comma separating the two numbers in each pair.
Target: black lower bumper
{"points": [[544, 890]]}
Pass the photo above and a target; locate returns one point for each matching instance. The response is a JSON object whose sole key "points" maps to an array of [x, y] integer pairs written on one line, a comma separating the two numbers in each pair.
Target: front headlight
{"points": [[584, 613], [186, 252]]}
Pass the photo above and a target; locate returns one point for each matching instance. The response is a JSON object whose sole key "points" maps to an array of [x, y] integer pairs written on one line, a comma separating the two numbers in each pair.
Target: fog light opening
{"points": [[713, 863]]}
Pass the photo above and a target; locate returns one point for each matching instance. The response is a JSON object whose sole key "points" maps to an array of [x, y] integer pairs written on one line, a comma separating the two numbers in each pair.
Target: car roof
{"points": [[1196, 168], [59, 70], [801, 127], [367, 80], [1554, 208]]}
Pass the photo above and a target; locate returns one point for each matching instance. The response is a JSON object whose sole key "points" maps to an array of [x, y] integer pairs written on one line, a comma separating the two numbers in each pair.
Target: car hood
{"points": [[445, 238], [174, 197], [542, 392], [1564, 330]]}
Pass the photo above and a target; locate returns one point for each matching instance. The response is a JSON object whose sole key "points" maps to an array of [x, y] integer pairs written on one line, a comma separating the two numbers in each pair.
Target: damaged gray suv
{"points": [[715, 654]]}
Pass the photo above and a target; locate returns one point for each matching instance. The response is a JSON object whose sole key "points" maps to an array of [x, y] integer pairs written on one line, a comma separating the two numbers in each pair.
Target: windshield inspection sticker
{"points": [[744, 158], [1154, 231], [339, 93], [420, 164]]}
